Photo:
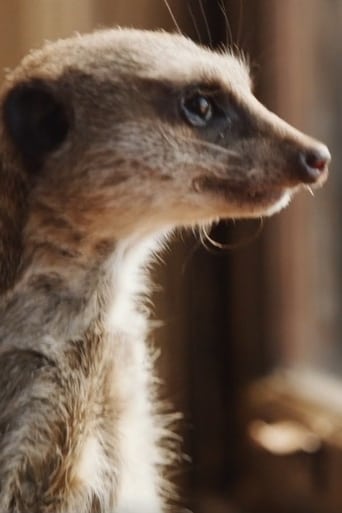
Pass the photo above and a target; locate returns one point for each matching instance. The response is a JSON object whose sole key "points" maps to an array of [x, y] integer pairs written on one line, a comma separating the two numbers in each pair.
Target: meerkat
{"points": [[109, 141]]}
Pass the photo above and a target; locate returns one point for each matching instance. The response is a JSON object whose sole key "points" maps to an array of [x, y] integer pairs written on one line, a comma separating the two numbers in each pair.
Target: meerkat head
{"points": [[125, 130]]}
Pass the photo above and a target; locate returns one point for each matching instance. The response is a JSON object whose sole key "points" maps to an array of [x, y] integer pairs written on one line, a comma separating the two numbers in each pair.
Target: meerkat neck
{"points": [[61, 294]]}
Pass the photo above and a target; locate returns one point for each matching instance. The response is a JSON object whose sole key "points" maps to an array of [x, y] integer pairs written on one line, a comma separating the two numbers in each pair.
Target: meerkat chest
{"points": [[119, 460], [124, 448], [136, 429]]}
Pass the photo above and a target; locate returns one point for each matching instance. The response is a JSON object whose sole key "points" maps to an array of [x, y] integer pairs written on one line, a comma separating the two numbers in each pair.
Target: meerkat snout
{"points": [[315, 163]]}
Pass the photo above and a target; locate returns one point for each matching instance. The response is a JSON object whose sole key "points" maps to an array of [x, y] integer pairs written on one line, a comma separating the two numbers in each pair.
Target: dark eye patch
{"points": [[210, 109], [217, 115]]}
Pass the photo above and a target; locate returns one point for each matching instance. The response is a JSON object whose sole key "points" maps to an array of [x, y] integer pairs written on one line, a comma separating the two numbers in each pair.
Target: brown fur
{"points": [[74, 219]]}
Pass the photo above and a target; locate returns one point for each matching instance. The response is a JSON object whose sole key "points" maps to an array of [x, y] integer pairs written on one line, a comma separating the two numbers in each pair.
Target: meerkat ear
{"points": [[36, 120]]}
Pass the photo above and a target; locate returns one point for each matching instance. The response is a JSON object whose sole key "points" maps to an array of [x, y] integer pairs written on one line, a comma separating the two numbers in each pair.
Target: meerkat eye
{"points": [[197, 109]]}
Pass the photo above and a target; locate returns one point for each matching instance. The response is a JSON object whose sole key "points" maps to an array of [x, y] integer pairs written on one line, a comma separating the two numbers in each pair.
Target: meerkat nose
{"points": [[314, 162]]}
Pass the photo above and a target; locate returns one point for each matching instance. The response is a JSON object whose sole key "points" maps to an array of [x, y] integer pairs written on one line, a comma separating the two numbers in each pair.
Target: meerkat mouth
{"points": [[257, 200]]}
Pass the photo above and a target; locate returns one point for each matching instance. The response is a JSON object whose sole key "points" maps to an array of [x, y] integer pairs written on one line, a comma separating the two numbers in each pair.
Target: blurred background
{"points": [[251, 340]]}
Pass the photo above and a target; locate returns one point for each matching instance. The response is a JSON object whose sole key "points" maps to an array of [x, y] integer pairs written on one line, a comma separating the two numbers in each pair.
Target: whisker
{"points": [[217, 247], [228, 28], [194, 23], [209, 145], [310, 191], [205, 18], [173, 17], [166, 136], [241, 14], [205, 144]]}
